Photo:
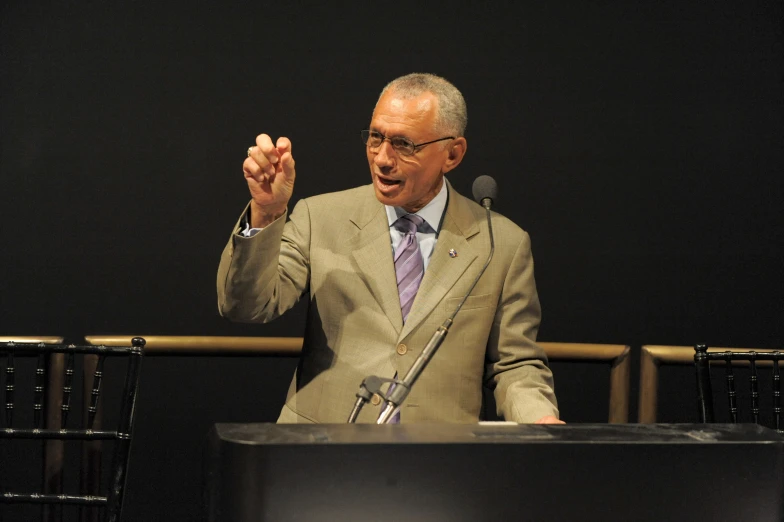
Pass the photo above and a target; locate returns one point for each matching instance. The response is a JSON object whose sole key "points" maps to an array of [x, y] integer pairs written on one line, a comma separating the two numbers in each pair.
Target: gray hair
{"points": [[452, 115]]}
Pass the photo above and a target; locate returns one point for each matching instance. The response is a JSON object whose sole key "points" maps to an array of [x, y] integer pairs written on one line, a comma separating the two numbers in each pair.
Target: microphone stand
{"points": [[401, 388], [370, 385]]}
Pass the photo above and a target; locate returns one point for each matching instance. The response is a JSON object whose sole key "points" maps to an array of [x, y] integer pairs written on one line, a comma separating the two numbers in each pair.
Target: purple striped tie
{"points": [[410, 268], [409, 265]]}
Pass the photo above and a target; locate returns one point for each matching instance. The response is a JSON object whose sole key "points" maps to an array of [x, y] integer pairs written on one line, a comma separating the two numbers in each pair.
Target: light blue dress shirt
{"points": [[431, 213]]}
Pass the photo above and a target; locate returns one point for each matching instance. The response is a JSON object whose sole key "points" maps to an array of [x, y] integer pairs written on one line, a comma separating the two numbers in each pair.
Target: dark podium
{"points": [[459, 472]]}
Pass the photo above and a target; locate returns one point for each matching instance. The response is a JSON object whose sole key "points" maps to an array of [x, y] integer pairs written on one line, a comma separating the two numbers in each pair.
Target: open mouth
{"points": [[389, 182]]}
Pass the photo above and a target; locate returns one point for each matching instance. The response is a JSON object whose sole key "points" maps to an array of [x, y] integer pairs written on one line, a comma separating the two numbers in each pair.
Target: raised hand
{"points": [[269, 171]]}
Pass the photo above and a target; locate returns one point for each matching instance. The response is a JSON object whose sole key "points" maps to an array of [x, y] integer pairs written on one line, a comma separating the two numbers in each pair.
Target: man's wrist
{"points": [[261, 217]]}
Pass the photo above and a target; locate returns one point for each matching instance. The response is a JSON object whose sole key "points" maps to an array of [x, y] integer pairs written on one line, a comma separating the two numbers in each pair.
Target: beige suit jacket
{"points": [[336, 252]]}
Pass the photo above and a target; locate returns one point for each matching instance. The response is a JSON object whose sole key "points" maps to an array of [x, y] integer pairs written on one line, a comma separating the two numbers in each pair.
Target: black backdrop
{"points": [[641, 147]]}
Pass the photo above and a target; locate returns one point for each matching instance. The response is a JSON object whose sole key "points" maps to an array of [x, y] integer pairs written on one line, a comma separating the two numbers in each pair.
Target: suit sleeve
{"points": [[262, 276], [516, 367]]}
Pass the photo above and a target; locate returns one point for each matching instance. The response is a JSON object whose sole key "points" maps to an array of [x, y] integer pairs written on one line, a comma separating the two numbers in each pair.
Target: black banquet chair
{"points": [[53, 377], [731, 361]]}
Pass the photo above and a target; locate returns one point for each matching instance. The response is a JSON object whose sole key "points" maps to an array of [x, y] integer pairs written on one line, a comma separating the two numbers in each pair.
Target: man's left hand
{"points": [[549, 419]]}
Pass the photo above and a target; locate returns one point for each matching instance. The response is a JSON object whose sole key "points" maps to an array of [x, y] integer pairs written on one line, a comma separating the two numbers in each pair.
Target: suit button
{"points": [[402, 349], [375, 399]]}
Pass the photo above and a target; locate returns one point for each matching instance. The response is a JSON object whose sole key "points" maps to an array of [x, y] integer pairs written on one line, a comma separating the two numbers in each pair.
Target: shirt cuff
{"points": [[245, 230]]}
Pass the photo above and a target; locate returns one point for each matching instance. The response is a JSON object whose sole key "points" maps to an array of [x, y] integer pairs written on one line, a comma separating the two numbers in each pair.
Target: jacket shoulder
{"points": [[503, 227]]}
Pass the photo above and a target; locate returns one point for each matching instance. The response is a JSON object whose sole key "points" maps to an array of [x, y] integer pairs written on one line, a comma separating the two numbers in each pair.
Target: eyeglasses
{"points": [[403, 146]]}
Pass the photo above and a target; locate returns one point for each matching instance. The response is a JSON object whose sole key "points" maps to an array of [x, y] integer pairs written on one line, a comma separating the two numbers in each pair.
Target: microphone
{"points": [[485, 190]]}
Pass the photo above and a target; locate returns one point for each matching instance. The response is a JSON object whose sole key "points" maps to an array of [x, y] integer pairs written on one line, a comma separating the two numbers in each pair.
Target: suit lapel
{"points": [[373, 255], [443, 270]]}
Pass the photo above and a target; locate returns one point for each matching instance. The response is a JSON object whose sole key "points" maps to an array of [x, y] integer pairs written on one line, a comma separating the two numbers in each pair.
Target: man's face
{"points": [[406, 181]]}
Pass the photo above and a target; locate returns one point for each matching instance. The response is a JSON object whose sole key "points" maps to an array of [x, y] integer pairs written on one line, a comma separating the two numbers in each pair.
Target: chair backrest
{"points": [[731, 359], [53, 449], [652, 357], [54, 374], [616, 356]]}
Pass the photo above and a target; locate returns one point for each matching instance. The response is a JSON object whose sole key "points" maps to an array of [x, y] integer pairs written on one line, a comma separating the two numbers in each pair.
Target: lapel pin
{"points": [[452, 252]]}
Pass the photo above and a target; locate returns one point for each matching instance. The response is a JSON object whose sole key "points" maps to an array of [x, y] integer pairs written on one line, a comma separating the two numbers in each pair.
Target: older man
{"points": [[383, 265]]}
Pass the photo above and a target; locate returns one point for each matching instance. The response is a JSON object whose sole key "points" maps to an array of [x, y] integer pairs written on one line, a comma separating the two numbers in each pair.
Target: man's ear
{"points": [[456, 151]]}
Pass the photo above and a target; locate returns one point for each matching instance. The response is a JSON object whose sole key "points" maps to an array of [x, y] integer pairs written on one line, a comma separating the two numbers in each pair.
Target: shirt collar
{"points": [[431, 212]]}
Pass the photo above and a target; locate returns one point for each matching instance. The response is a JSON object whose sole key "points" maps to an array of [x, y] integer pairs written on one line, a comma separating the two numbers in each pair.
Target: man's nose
{"points": [[385, 156]]}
